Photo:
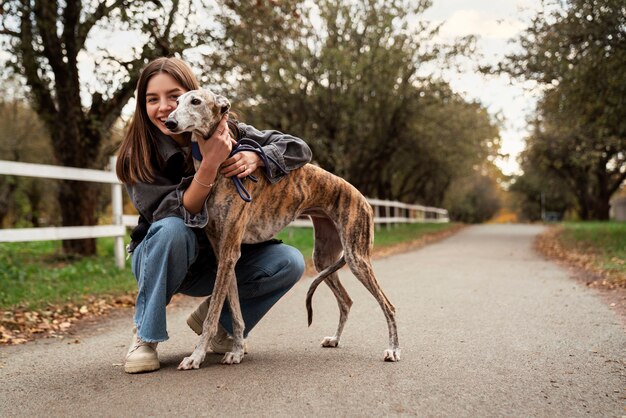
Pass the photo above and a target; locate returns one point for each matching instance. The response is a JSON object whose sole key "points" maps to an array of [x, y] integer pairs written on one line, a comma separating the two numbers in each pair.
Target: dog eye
{"points": [[195, 102]]}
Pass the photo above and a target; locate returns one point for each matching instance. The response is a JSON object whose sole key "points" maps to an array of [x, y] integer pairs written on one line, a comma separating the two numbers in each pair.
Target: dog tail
{"points": [[319, 279]]}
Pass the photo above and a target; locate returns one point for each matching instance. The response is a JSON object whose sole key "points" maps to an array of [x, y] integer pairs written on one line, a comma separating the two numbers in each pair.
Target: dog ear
{"points": [[223, 103]]}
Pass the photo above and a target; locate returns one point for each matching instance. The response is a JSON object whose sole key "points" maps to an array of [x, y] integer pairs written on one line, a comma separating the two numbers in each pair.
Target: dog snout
{"points": [[171, 124]]}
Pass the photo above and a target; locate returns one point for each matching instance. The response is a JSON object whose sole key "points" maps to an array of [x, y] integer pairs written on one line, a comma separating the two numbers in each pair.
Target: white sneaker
{"points": [[197, 317], [222, 342], [141, 357]]}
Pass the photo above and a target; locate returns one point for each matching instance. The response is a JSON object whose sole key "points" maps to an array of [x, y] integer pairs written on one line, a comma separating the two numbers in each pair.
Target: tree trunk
{"points": [[76, 145], [7, 189], [77, 200], [34, 195], [593, 200], [583, 210], [601, 209], [602, 196]]}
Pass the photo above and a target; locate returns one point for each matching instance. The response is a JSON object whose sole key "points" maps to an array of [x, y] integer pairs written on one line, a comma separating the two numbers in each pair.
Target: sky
{"points": [[494, 22]]}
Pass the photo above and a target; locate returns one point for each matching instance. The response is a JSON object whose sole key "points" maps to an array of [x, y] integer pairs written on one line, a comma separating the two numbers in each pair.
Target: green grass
{"points": [[406, 232], [35, 274], [302, 238], [605, 240]]}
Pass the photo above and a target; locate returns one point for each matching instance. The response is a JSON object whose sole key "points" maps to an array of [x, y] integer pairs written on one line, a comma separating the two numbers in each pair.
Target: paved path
{"points": [[488, 328]]}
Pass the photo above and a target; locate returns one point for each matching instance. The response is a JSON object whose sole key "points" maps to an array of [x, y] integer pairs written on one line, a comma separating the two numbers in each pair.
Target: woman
{"points": [[170, 252]]}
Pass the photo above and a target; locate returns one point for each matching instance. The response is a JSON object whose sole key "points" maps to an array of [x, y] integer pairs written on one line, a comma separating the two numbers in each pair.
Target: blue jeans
{"points": [[162, 264]]}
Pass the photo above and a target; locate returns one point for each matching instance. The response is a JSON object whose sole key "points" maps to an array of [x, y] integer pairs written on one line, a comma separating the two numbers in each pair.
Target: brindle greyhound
{"points": [[342, 220]]}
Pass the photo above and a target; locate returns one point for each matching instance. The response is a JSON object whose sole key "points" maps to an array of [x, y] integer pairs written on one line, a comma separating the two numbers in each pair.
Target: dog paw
{"points": [[392, 354], [330, 342], [191, 362], [232, 358]]}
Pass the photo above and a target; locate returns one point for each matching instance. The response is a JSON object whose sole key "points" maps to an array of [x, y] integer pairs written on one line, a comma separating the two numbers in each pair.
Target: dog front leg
{"points": [[194, 361], [236, 354], [209, 327]]}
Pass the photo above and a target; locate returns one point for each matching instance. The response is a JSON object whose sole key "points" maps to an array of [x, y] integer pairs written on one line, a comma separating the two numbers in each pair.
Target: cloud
{"points": [[486, 25]]}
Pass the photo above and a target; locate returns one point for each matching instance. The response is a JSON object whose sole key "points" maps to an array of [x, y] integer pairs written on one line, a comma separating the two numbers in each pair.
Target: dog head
{"points": [[197, 111]]}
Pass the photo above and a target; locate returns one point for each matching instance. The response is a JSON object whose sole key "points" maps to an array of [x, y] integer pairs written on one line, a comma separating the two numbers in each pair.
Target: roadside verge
{"points": [[584, 261]]}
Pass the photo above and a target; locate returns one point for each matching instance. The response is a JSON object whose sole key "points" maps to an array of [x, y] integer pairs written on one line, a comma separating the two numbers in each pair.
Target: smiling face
{"points": [[198, 111], [161, 95]]}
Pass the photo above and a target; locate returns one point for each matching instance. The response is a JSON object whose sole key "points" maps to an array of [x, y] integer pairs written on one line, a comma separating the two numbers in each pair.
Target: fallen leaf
{"points": [[20, 324]]}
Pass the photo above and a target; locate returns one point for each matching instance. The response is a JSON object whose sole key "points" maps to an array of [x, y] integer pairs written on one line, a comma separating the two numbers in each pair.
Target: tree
{"points": [[578, 54], [473, 199], [22, 138], [448, 139], [46, 37], [537, 191], [344, 76], [339, 85]]}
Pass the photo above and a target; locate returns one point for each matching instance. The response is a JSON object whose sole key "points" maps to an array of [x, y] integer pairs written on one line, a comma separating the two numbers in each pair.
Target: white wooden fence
{"points": [[386, 212]]}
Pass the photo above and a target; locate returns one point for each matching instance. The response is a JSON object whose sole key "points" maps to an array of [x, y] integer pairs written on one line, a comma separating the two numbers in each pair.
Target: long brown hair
{"points": [[138, 155]]}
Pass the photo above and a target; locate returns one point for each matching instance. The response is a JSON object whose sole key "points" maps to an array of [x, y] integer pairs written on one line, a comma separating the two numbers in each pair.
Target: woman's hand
{"points": [[214, 151], [241, 164], [218, 147]]}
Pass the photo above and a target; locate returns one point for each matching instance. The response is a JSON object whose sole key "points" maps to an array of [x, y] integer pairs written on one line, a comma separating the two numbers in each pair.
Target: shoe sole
{"points": [[196, 323], [142, 367]]}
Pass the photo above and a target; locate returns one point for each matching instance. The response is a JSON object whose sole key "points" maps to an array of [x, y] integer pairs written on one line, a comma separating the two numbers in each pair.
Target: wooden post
{"points": [[117, 207], [387, 215], [376, 215]]}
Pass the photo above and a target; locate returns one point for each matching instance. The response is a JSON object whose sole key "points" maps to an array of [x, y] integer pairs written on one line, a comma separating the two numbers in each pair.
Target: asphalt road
{"points": [[487, 327]]}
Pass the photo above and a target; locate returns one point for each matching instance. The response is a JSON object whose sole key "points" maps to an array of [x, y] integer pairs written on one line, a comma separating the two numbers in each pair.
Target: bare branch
{"points": [[170, 19], [71, 17], [5, 31], [161, 40], [46, 19], [101, 12], [107, 111], [40, 88]]}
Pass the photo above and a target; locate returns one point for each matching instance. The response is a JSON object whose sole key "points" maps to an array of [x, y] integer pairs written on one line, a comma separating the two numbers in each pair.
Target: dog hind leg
{"points": [[327, 251], [344, 302], [361, 267], [358, 257]]}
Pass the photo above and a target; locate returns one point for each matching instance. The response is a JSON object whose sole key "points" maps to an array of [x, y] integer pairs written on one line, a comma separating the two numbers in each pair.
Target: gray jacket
{"points": [[164, 196]]}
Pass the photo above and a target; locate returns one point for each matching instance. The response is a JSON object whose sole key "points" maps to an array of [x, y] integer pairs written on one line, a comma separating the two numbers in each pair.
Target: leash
{"points": [[244, 144]]}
